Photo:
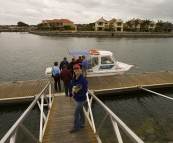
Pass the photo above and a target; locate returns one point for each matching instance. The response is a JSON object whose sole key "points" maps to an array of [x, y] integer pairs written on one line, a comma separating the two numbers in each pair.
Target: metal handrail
{"points": [[116, 122], [140, 87], [10, 136]]}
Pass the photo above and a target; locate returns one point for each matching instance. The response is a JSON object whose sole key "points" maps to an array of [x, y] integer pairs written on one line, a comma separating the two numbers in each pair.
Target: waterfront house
{"points": [[59, 24], [152, 25], [141, 25], [111, 25]]}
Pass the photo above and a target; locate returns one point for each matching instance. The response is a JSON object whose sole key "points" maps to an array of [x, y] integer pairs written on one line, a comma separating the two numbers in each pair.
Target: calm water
{"points": [[25, 56]]}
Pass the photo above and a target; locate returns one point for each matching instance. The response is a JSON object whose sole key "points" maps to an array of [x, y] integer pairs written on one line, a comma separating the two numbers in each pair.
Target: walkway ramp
{"points": [[61, 122]]}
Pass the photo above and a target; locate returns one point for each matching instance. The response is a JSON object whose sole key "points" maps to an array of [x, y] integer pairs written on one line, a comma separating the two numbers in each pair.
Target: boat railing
{"points": [[10, 136], [116, 122]]}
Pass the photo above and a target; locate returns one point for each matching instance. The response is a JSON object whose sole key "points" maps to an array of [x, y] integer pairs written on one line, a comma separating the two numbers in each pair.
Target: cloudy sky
{"points": [[83, 11]]}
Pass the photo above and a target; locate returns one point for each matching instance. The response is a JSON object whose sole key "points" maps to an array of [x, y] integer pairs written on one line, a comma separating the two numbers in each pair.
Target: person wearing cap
{"points": [[78, 90], [64, 62], [84, 65]]}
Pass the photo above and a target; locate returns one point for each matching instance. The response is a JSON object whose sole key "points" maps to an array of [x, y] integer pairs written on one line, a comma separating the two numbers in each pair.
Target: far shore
{"points": [[104, 34], [99, 34]]}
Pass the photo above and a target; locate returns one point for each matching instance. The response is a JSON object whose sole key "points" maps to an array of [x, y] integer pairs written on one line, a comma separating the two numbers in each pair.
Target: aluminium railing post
{"points": [[50, 102], [89, 106], [116, 130], [41, 118], [13, 138]]}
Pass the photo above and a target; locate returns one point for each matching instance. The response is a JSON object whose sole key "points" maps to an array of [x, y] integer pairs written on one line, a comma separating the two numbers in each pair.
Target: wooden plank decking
{"points": [[61, 121], [127, 82], [22, 90], [100, 85]]}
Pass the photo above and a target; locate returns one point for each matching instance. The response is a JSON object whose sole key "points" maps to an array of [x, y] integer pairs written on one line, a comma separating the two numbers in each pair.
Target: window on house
{"points": [[119, 24], [118, 29], [151, 25], [100, 23]]}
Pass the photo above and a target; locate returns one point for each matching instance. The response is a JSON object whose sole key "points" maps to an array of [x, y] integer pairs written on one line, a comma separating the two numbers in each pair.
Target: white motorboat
{"points": [[100, 63]]}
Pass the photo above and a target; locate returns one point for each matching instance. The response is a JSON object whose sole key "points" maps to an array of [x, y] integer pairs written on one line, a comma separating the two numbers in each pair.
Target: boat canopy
{"points": [[79, 52]]}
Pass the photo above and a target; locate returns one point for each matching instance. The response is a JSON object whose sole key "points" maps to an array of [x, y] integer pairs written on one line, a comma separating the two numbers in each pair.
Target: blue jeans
{"points": [[79, 118]]}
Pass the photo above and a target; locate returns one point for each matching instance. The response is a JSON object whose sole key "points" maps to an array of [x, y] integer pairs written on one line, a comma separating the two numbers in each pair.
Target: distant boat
{"points": [[100, 63]]}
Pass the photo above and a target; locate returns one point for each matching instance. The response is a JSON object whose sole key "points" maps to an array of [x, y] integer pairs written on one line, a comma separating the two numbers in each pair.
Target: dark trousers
{"points": [[67, 88], [55, 83], [72, 73]]}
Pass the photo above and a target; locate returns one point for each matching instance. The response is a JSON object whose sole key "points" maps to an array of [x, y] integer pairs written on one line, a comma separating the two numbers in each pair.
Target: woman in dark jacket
{"points": [[78, 90]]}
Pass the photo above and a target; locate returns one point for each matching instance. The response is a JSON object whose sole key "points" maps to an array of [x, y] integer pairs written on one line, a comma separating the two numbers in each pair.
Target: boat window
{"points": [[93, 62], [106, 60]]}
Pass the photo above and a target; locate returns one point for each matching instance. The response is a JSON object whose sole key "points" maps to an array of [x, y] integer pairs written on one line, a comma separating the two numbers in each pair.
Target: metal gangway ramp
{"points": [[61, 122], [55, 125]]}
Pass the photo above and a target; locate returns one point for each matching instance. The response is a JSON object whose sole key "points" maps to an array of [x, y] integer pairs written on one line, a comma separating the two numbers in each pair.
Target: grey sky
{"points": [[83, 11]]}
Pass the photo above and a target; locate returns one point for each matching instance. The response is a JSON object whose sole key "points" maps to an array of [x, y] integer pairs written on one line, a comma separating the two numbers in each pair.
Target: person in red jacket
{"points": [[79, 61], [66, 77], [72, 63]]}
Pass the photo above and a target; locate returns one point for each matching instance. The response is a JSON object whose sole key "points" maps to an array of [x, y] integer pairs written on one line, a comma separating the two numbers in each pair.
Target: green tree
{"points": [[136, 23], [86, 27], [52, 26], [159, 26], [111, 27], [22, 24], [68, 27], [40, 26], [145, 25], [129, 24]]}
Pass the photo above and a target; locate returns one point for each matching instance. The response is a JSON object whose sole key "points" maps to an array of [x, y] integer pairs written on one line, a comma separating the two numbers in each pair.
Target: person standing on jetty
{"points": [[66, 77], [84, 65], [78, 90], [79, 61], [72, 63], [64, 62], [56, 76]]}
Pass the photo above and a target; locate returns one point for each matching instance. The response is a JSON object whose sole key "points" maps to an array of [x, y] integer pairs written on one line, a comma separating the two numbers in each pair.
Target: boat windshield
{"points": [[113, 58], [92, 61]]}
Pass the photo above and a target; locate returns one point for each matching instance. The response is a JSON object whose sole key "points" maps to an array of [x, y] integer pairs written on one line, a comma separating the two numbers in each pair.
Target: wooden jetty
{"points": [[129, 82], [61, 122], [61, 115], [24, 90]]}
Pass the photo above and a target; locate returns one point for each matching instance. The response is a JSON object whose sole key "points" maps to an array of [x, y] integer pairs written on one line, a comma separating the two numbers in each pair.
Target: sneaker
{"points": [[73, 130]]}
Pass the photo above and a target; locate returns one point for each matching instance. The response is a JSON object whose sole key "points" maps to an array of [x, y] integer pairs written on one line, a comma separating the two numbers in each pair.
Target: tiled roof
{"points": [[58, 20], [63, 20], [112, 20]]}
